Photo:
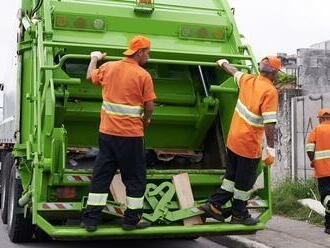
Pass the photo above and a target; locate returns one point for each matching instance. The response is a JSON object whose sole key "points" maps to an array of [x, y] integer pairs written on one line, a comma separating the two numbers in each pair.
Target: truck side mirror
{"points": [[1, 87]]}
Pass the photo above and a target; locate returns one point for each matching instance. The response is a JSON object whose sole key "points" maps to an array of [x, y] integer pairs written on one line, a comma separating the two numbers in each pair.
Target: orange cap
{"points": [[273, 62], [137, 43], [323, 112]]}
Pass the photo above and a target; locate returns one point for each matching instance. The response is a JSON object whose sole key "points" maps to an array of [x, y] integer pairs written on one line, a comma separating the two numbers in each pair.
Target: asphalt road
{"points": [[164, 243]]}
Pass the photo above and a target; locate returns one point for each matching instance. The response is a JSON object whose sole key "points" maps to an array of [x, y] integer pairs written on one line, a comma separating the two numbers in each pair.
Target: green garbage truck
{"points": [[48, 137]]}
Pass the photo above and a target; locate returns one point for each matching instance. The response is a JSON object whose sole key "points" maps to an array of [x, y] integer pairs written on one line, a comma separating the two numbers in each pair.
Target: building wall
{"points": [[314, 70], [282, 168], [322, 45]]}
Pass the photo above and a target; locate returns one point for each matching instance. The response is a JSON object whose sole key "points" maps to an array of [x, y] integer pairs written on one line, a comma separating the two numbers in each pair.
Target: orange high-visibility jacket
{"points": [[318, 141], [256, 105], [126, 86]]}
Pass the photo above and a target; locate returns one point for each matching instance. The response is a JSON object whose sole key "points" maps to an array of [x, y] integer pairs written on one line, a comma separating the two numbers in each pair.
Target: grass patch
{"points": [[285, 202]]}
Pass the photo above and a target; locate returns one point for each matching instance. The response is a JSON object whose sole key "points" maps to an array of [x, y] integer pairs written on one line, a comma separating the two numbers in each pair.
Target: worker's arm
{"points": [[270, 134], [231, 70], [148, 109], [91, 67], [148, 97], [95, 57], [310, 146], [228, 68], [270, 150], [268, 107]]}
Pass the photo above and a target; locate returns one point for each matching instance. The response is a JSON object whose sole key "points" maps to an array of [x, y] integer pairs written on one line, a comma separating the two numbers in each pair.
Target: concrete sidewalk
{"points": [[281, 233]]}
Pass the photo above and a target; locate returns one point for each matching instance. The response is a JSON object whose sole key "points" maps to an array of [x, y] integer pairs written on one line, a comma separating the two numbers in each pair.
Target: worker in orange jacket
{"points": [[255, 112], [318, 151], [128, 95]]}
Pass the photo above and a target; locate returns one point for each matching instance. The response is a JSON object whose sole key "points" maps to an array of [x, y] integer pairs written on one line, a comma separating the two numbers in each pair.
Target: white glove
{"points": [[271, 151], [270, 156], [97, 54], [220, 62]]}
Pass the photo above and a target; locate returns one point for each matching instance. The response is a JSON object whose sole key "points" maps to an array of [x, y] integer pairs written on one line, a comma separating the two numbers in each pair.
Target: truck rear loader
{"points": [[49, 141]]}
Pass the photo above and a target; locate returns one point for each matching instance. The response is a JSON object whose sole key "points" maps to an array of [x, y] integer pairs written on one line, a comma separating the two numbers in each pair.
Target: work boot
{"points": [[212, 212], [140, 225], [91, 218], [245, 220], [88, 227]]}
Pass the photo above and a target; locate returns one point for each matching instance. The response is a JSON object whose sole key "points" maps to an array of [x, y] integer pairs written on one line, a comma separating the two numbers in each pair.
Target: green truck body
{"points": [[47, 163]]}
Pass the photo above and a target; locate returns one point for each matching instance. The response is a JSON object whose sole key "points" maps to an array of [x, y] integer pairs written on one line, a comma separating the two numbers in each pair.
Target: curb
{"points": [[237, 242]]}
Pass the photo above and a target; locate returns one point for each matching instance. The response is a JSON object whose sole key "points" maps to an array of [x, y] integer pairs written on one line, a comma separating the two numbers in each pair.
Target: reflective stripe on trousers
{"points": [[326, 200], [134, 202], [97, 199], [227, 185], [122, 109], [242, 195]]}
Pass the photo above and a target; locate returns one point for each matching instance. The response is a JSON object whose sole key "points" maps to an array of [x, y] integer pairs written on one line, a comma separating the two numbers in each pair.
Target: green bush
{"points": [[283, 78], [286, 196]]}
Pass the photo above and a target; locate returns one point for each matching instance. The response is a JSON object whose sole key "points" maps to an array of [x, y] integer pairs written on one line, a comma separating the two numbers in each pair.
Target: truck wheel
{"points": [[41, 235], [20, 228], [6, 166]]}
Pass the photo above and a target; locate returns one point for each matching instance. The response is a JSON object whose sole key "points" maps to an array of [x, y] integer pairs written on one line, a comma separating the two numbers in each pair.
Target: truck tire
{"points": [[41, 235], [20, 228], [6, 166]]}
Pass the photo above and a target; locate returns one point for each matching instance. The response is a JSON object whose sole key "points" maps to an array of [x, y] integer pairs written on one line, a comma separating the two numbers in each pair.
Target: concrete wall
{"points": [[314, 70], [322, 45], [282, 168], [297, 116]]}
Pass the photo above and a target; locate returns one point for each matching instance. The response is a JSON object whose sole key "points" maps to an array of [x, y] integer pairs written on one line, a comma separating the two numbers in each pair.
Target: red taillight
{"points": [[145, 1], [219, 34], [202, 33], [80, 22], [66, 192], [61, 21]]}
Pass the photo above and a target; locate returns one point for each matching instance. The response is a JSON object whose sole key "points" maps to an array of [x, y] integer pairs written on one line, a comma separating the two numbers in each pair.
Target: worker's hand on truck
{"points": [[270, 156], [99, 55], [227, 67], [220, 62]]}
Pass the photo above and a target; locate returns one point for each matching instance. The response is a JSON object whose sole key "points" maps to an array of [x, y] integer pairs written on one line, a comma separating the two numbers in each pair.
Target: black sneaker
{"points": [[327, 230], [140, 225], [89, 228], [245, 220], [212, 212]]}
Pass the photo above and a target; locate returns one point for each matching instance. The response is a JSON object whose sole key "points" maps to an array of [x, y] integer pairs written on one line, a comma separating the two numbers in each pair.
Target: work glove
{"points": [[220, 62], [98, 55], [270, 156]]}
